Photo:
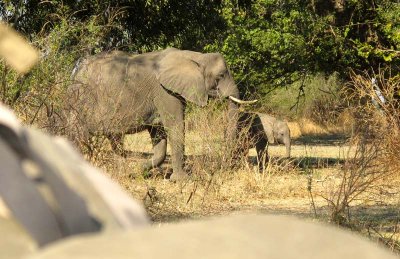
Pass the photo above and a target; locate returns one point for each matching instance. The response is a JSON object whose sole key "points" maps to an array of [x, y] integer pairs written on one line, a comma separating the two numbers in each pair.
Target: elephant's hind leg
{"points": [[159, 141]]}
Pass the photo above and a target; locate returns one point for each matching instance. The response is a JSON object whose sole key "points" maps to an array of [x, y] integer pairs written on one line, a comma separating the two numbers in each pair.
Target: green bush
{"points": [[317, 98], [38, 95]]}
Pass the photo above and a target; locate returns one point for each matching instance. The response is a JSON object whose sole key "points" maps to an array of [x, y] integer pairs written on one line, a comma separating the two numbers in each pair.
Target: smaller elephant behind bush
{"points": [[259, 130]]}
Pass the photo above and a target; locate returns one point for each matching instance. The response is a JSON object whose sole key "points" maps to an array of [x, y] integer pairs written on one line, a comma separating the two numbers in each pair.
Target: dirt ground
{"points": [[304, 185], [283, 189]]}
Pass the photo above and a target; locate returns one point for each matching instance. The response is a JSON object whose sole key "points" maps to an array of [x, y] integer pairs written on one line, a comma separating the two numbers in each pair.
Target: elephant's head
{"points": [[281, 134], [195, 76], [277, 131]]}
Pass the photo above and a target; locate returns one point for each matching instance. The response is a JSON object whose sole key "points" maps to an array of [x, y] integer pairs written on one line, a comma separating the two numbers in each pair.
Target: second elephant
{"points": [[258, 130]]}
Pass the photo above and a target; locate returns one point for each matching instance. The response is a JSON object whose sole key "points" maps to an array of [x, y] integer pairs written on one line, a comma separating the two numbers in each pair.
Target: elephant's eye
{"points": [[219, 77]]}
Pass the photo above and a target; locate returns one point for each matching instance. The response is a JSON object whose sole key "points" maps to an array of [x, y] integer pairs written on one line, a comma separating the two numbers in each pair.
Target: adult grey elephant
{"points": [[116, 93], [258, 130]]}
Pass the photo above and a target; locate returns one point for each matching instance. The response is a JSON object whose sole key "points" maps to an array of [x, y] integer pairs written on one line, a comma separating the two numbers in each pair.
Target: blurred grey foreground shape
{"points": [[50, 197], [237, 236], [50, 192]]}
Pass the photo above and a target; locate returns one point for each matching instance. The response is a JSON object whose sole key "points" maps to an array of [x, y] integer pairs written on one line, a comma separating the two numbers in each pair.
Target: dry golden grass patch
{"points": [[213, 189], [322, 180], [295, 130], [305, 126], [207, 193]]}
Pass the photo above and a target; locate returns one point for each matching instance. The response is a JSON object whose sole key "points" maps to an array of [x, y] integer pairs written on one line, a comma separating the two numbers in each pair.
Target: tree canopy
{"points": [[267, 43]]}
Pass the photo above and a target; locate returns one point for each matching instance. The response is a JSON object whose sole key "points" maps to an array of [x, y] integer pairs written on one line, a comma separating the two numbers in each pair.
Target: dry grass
{"points": [[295, 130], [220, 193], [370, 177], [305, 126], [214, 188], [324, 180]]}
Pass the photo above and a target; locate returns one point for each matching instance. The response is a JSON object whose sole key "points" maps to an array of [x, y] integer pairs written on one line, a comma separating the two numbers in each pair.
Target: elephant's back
{"points": [[265, 118], [103, 69], [113, 92]]}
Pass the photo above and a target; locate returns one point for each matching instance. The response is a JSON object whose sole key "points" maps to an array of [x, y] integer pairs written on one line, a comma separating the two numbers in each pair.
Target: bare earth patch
{"points": [[303, 185], [282, 189]]}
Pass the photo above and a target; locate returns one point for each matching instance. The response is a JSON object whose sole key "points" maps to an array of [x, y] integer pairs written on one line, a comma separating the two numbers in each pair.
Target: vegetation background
{"points": [[267, 43], [303, 59]]}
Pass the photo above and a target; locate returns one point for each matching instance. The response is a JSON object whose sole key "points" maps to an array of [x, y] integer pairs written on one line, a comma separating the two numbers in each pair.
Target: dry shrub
{"points": [[327, 103], [214, 187], [308, 127], [206, 140], [373, 170], [377, 122]]}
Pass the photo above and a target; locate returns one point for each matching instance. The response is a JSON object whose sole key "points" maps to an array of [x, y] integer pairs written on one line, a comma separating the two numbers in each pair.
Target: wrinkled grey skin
{"points": [[229, 237], [259, 130], [117, 93]]}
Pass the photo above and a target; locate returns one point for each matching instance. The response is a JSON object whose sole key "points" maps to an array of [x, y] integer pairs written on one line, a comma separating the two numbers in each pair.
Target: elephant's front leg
{"points": [[172, 116], [262, 153], [159, 141]]}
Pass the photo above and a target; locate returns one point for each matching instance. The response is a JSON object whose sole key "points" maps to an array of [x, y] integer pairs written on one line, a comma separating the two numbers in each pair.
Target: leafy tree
{"points": [[273, 43], [267, 43]]}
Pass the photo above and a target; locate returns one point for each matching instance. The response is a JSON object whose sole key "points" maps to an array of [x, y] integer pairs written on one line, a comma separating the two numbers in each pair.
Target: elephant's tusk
{"points": [[241, 101]]}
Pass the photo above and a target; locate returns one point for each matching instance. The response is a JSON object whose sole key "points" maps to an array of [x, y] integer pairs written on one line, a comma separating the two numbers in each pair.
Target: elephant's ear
{"points": [[183, 76], [268, 125], [270, 134]]}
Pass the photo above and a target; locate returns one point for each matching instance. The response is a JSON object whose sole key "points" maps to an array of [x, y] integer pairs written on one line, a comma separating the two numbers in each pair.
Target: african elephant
{"points": [[258, 130], [116, 93]]}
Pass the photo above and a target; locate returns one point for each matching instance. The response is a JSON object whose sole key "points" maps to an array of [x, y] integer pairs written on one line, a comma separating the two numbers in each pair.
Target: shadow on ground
{"points": [[321, 140], [302, 162], [383, 216]]}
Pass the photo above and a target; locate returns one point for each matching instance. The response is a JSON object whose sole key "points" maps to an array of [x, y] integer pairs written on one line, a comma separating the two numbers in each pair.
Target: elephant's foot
{"points": [[149, 171], [178, 176], [121, 153]]}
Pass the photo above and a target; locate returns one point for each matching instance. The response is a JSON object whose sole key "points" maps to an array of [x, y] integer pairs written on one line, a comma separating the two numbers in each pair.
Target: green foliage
{"points": [[274, 43], [317, 97], [267, 43], [38, 95], [138, 25]]}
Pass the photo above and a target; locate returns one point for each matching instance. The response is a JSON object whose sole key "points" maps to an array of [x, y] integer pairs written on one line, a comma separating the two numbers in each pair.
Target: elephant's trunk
{"points": [[232, 117], [225, 89], [287, 144]]}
